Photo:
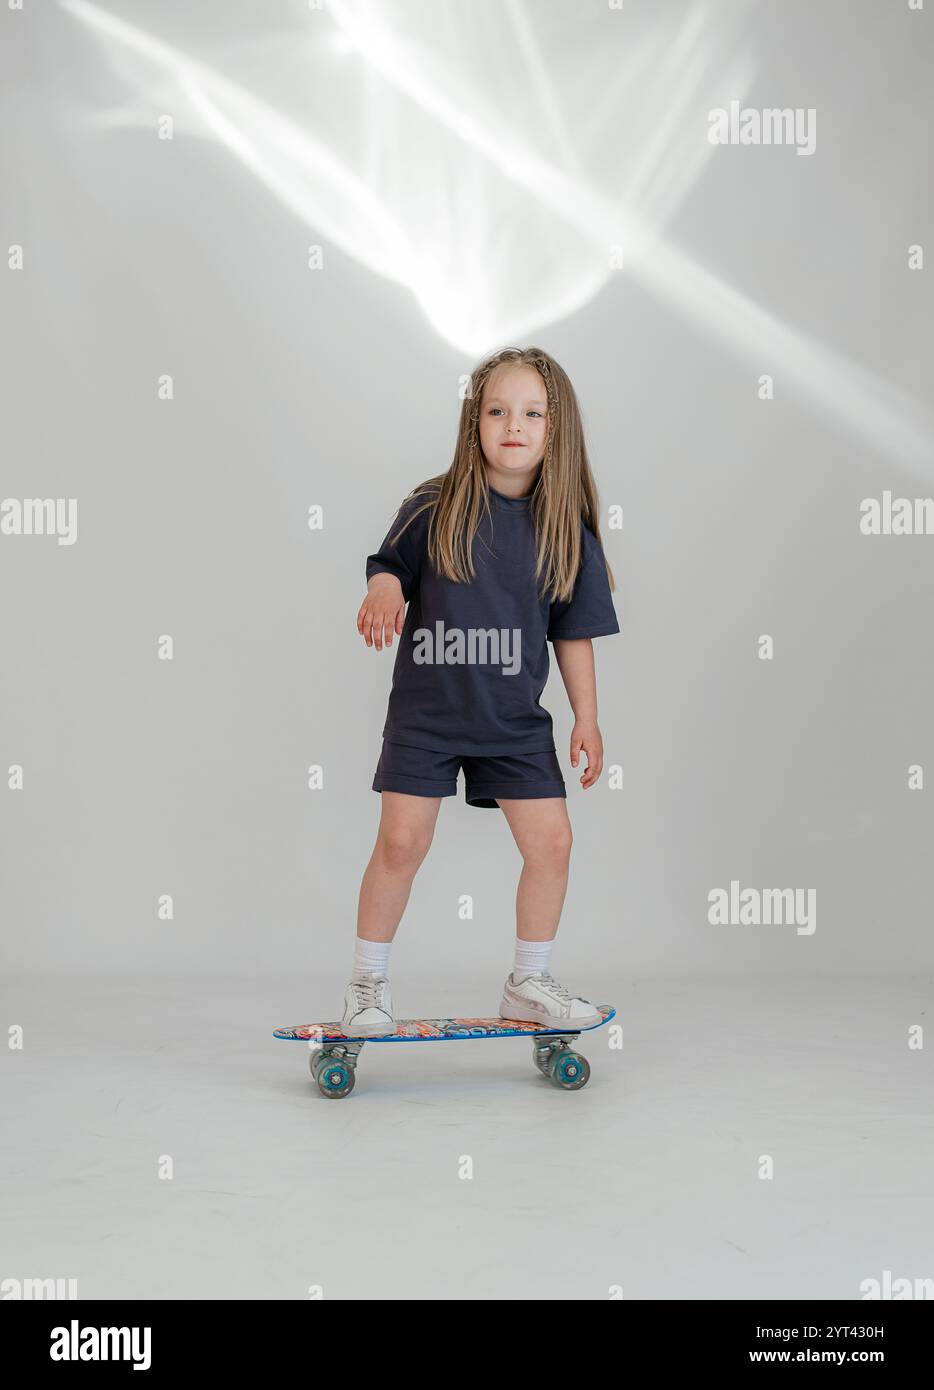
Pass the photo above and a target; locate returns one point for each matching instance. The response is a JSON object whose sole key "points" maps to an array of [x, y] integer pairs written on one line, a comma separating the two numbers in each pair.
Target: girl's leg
{"points": [[406, 827], [542, 830]]}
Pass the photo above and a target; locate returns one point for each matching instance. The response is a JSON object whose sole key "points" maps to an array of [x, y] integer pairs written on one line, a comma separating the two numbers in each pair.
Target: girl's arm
{"points": [[575, 662], [392, 574]]}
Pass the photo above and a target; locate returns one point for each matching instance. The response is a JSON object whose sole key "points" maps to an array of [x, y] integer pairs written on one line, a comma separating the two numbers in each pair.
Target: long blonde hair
{"points": [[564, 495]]}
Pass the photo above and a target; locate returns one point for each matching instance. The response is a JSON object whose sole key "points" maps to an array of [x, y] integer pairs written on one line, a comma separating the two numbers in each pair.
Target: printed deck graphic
{"points": [[438, 1029]]}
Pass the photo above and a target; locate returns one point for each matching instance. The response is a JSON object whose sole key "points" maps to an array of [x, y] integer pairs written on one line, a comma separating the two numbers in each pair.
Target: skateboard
{"points": [[334, 1063]]}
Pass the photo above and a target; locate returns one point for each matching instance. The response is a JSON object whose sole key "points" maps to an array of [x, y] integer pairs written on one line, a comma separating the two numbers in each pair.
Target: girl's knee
{"points": [[551, 847], [403, 847]]}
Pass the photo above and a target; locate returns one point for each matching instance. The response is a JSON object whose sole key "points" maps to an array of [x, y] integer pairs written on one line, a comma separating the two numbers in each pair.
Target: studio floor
{"points": [[650, 1182]]}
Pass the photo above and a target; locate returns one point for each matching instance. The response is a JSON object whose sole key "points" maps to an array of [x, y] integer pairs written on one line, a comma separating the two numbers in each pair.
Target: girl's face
{"points": [[513, 424]]}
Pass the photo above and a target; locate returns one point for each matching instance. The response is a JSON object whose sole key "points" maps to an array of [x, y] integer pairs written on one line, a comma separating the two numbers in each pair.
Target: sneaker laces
{"points": [[556, 990], [368, 991]]}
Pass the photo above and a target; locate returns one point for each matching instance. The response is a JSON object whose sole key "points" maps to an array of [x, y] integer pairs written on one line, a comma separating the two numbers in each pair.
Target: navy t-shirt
{"points": [[472, 660]]}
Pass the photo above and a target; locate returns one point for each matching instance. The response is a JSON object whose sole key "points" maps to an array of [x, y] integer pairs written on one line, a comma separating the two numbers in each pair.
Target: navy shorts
{"points": [[423, 772]]}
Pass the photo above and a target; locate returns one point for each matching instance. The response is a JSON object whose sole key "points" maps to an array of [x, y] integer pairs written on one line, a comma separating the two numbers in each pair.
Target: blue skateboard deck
{"points": [[438, 1029]]}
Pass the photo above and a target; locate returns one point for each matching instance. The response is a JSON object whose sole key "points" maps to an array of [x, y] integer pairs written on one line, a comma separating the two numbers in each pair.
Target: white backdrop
{"points": [[252, 252]]}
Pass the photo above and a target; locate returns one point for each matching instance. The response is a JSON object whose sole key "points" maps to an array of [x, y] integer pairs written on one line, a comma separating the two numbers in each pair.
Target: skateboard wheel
{"points": [[569, 1070], [334, 1076], [541, 1056]]}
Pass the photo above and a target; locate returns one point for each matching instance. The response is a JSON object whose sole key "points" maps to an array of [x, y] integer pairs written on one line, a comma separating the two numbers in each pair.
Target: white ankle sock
{"points": [[531, 956], [370, 957]]}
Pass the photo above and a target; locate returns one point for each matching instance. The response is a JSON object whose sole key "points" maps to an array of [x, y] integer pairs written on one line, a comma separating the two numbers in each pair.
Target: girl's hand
{"points": [[586, 735], [383, 608]]}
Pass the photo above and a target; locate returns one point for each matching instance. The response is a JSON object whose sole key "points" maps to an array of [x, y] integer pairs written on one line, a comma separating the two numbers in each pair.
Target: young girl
{"points": [[495, 558]]}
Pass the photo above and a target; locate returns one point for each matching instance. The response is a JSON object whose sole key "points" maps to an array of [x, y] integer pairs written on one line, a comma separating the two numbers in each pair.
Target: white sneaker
{"points": [[368, 1007], [539, 998]]}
